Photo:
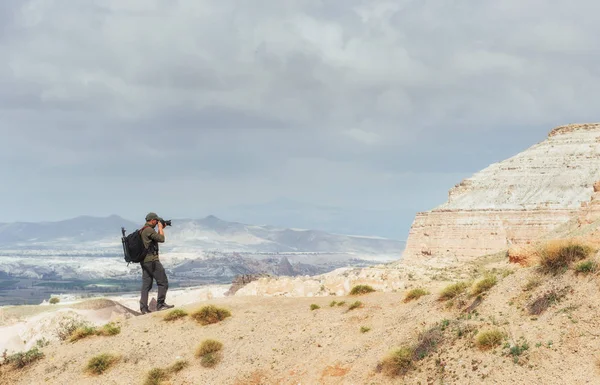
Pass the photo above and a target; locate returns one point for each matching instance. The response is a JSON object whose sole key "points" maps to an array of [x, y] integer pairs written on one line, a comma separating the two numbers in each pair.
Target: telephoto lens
{"points": [[165, 223]]}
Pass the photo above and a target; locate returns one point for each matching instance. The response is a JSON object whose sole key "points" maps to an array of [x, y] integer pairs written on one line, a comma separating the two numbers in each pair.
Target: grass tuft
{"points": [[156, 376], [489, 339], [361, 289], [210, 353], [355, 305], [101, 363], [453, 290], [398, 362], [210, 314], [342, 303], [332, 303], [82, 332], [364, 329], [484, 284], [54, 300], [110, 329], [175, 314], [586, 267], [314, 306], [415, 294]]}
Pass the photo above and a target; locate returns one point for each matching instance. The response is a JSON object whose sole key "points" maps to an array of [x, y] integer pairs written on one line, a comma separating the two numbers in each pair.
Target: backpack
{"points": [[133, 247]]}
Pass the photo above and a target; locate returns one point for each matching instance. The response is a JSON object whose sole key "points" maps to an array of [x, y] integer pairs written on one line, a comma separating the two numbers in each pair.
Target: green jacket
{"points": [[151, 240]]}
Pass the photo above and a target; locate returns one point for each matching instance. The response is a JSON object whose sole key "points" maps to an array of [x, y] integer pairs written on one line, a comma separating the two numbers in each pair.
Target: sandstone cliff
{"points": [[514, 201]]}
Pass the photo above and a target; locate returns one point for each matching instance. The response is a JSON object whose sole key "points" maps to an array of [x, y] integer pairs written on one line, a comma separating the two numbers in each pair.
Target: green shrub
{"points": [[342, 303], [210, 314], [484, 284], [332, 303], [355, 305], [101, 363], [586, 267], [364, 329], [489, 339], [415, 294], [22, 359], [175, 314], [361, 289], [314, 306], [54, 300], [453, 290], [67, 326]]}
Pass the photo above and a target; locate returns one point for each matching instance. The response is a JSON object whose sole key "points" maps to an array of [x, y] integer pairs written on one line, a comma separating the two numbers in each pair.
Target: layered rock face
{"points": [[514, 201]]}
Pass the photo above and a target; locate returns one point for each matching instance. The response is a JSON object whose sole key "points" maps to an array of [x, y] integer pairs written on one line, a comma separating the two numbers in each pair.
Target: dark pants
{"points": [[153, 270]]}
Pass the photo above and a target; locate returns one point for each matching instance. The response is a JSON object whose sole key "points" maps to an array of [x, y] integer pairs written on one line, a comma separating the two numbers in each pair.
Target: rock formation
{"points": [[514, 201]]}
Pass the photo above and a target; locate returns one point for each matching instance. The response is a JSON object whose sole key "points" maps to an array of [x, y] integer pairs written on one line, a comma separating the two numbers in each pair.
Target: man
{"points": [[152, 269]]}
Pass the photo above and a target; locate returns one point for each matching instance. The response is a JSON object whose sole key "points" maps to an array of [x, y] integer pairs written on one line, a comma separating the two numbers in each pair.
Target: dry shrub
{"points": [[156, 376], [484, 284], [210, 314], [398, 362], [22, 359], [101, 363], [54, 300], [489, 339], [453, 290], [175, 314], [210, 353], [110, 329], [415, 294], [556, 256], [532, 283], [208, 346], [361, 289], [427, 342], [82, 332]]}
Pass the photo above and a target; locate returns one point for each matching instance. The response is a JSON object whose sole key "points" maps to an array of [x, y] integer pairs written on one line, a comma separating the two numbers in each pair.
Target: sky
{"points": [[370, 109]]}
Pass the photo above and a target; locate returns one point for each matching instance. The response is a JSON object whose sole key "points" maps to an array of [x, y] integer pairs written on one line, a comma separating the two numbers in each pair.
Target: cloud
{"points": [[266, 97]]}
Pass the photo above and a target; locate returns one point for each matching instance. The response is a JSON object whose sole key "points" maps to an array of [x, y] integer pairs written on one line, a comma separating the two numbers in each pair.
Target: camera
{"points": [[165, 223]]}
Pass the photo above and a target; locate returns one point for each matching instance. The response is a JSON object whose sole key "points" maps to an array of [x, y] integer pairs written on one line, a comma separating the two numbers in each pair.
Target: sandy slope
{"points": [[279, 340]]}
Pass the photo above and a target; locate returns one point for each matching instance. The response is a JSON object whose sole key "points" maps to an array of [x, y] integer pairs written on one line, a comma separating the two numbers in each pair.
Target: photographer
{"points": [[152, 269]]}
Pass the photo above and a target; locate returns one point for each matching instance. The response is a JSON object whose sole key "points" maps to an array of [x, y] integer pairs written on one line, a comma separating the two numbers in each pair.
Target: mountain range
{"points": [[103, 234]]}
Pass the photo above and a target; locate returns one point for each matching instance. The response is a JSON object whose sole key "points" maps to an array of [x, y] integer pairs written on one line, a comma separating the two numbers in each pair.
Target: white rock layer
{"points": [[514, 201]]}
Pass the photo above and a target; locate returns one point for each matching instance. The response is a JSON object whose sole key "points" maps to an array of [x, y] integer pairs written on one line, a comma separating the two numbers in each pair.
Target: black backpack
{"points": [[133, 247]]}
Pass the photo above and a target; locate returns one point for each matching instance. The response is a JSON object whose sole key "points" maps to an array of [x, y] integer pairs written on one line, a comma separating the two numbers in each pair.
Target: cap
{"points": [[152, 216]]}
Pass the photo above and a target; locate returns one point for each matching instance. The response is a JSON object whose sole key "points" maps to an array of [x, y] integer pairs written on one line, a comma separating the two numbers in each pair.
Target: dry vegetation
{"points": [[210, 353], [415, 294], [210, 314], [101, 363], [489, 339], [157, 376], [81, 332], [361, 290], [175, 314], [557, 256]]}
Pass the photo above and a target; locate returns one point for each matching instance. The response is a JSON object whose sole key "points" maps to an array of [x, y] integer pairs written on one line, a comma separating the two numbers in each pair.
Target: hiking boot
{"points": [[145, 310], [164, 306]]}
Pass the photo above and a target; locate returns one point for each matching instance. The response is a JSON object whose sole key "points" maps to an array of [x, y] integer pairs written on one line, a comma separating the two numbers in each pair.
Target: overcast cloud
{"points": [[188, 107]]}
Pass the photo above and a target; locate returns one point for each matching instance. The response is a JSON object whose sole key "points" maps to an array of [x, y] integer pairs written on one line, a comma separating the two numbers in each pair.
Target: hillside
{"points": [[512, 201], [543, 339]]}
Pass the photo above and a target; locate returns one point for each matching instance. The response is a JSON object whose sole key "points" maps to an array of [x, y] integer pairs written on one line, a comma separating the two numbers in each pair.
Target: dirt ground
{"points": [[280, 340]]}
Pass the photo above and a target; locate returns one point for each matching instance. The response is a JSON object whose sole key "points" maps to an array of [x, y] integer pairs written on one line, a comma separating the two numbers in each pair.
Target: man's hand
{"points": [[160, 228]]}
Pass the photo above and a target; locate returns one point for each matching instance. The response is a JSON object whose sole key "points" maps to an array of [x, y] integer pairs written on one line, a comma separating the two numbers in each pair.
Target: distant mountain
{"points": [[101, 235], [389, 223]]}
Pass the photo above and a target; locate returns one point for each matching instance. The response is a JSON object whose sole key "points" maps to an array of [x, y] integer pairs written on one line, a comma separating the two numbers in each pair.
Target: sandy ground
{"points": [[279, 340]]}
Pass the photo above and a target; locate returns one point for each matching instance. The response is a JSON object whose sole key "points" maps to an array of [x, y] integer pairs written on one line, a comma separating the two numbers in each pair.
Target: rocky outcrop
{"points": [[514, 201]]}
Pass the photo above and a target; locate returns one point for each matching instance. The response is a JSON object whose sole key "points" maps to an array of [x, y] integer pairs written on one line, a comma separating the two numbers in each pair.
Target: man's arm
{"points": [[160, 236]]}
